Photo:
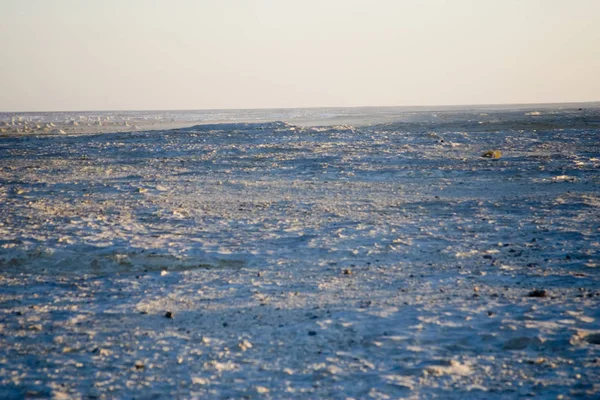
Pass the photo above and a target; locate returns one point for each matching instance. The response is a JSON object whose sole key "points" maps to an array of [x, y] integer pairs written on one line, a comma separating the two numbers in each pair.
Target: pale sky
{"points": [[196, 54]]}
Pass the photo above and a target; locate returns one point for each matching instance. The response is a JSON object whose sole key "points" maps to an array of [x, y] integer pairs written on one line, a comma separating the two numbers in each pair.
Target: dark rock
{"points": [[312, 333], [365, 304], [593, 338], [538, 293], [169, 314]]}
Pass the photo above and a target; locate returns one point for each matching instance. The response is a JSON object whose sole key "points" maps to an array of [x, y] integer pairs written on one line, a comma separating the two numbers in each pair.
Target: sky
{"points": [[74, 55]]}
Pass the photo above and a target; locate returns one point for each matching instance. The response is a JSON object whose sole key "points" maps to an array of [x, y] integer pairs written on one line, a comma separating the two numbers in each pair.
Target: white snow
{"points": [[278, 260]]}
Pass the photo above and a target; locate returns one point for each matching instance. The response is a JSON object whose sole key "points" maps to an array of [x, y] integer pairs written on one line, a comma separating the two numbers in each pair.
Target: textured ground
{"points": [[278, 261]]}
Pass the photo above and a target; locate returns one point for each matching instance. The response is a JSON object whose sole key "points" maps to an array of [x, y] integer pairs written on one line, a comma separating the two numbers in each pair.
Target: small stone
{"points": [[139, 365], [312, 333], [347, 271], [538, 361], [492, 154], [594, 338], [169, 315], [538, 293]]}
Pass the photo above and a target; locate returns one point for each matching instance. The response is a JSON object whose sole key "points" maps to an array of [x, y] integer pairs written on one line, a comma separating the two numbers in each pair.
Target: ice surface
{"points": [[375, 256]]}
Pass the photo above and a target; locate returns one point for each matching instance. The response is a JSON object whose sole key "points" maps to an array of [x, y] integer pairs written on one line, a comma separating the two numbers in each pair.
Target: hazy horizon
{"points": [[66, 55], [574, 104]]}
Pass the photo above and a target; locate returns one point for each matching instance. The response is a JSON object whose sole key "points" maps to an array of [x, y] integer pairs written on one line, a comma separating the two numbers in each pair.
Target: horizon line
{"points": [[596, 103]]}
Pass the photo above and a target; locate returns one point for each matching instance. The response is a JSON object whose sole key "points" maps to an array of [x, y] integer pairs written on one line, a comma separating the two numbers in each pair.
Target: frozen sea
{"points": [[301, 253]]}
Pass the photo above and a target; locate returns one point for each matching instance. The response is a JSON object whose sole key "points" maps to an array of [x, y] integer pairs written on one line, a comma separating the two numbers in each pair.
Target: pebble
{"points": [[492, 154], [169, 314], [538, 293], [539, 360], [593, 338]]}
